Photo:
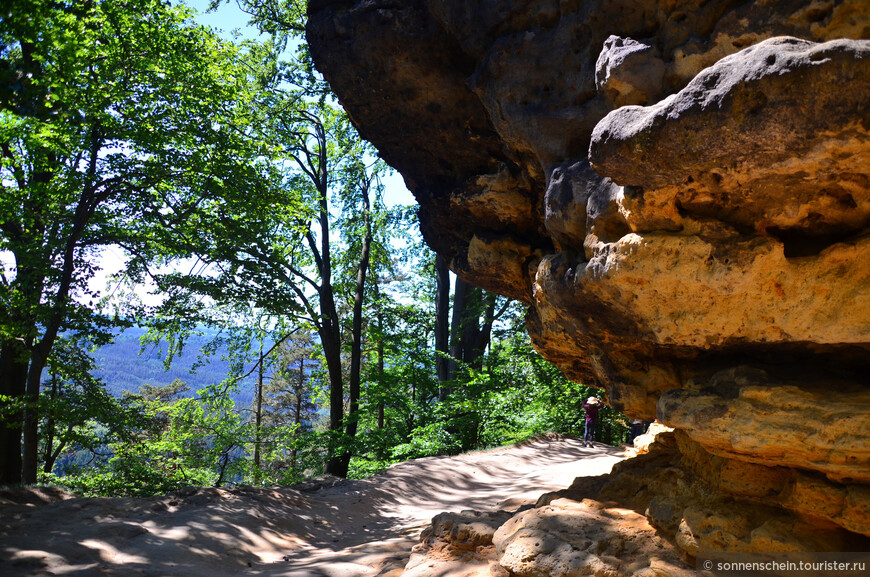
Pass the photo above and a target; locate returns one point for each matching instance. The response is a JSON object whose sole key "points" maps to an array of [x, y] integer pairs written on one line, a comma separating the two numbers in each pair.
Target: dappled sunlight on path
{"points": [[346, 528]]}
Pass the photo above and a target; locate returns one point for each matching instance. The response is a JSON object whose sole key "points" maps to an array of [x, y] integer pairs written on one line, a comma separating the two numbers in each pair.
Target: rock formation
{"points": [[680, 192]]}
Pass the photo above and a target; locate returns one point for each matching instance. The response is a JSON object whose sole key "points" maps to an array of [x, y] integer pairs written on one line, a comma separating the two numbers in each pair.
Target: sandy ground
{"points": [[334, 529]]}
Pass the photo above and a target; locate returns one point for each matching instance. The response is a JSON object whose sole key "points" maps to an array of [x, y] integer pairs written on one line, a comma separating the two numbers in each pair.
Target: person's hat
{"points": [[592, 400]]}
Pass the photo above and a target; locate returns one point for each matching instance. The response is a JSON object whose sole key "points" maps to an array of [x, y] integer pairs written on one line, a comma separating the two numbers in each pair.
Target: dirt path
{"points": [[350, 529]]}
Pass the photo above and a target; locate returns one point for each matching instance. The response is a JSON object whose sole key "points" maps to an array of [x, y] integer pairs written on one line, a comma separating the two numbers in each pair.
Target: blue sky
{"points": [[226, 18]]}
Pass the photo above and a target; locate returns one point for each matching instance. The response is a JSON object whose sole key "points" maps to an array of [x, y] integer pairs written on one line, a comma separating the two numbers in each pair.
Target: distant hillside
{"points": [[122, 368]]}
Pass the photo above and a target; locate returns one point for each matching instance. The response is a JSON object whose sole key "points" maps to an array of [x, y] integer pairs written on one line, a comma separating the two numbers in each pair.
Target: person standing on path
{"points": [[591, 405]]}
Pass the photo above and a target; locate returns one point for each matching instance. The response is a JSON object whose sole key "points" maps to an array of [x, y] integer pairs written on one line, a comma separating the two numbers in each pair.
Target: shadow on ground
{"points": [[347, 529]]}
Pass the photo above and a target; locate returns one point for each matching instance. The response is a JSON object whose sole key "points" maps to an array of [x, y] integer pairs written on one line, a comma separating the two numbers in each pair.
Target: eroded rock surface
{"points": [[568, 537], [701, 502], [680, 193], [458, 544], [761, 141]]}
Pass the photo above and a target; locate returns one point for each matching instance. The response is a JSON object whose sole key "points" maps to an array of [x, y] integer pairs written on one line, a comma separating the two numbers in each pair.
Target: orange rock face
{"points": [[680, 192]]}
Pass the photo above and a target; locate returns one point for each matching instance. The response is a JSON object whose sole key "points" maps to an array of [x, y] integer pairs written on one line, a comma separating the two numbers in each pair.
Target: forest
{"points": [[323, 334]]}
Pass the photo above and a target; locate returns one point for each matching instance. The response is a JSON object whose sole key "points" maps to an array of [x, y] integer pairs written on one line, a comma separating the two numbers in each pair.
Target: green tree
{"points": [[301, 249], [470, 329], [73, 401], [399, 384], [289, 411], [176, 441], [118, 118], [328, 153]]}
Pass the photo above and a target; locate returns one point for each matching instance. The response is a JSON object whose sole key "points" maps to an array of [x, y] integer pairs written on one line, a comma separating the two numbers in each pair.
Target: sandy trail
{"points": [[350, 529]]}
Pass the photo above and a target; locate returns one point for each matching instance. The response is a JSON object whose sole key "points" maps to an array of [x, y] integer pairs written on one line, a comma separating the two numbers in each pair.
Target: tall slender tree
{"points": [[288, 252], [328, 153], [442, 327], [465, 339], [290, 390]]}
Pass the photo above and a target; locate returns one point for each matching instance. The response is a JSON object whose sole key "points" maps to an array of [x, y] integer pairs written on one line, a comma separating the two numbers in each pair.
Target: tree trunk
{"points": [[477, 334], [330, 328], [442, 329], [297, 416], [460, 304], [223, 462], [381, 375], [41, 349], [258, 417], [342, 462], [51, 459], [380, 356], [30, 446], [50, 425], [356, 330], [13, 378], [330, 340]]}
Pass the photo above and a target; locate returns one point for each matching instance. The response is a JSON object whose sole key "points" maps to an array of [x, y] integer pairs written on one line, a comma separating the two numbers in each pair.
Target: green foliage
{"points": [[118, 120], [518, 395], [168, 439], [104, 132], [289, 447], [362, 468], [74, 405], [181, 441], [513, 396], [207, 440], [127, 125], [425, 441]]}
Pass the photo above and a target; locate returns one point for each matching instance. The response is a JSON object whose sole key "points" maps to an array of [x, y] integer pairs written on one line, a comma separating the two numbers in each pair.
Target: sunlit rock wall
{"points": [[678, 190]]}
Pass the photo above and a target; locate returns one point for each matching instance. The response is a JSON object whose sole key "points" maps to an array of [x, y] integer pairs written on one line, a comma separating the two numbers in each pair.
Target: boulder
{"points": [[759, 141], [458, 544], [629, 72], [574, 538]]}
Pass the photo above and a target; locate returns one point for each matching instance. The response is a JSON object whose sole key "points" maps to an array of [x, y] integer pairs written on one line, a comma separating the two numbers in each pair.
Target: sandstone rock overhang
{"points": [[679, 191]]}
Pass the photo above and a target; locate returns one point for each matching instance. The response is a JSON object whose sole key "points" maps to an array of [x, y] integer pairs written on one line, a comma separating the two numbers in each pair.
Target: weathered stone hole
{"points": [[795, 363], [817, 13], [710, 80], [633, 192], [798, 243]]}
